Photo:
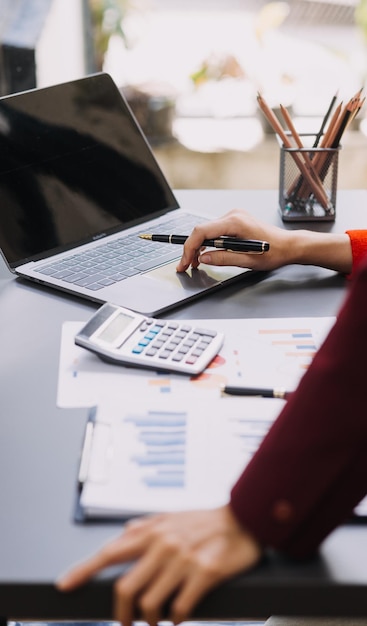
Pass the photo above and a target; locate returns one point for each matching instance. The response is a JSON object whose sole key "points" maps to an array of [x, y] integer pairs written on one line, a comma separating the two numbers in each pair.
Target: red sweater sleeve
{"points": [[358, 240], [311, 469]]}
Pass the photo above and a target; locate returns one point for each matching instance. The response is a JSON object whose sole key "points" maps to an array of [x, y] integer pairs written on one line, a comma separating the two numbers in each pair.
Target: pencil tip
{"points": [[145, 236]]}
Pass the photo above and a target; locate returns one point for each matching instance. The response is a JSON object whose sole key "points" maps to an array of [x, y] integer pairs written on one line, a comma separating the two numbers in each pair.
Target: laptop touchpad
{"points": [[193, 279]]}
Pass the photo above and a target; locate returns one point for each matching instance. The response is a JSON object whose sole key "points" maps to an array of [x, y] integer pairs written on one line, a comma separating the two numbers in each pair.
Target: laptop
{"points": [[78, 184]]}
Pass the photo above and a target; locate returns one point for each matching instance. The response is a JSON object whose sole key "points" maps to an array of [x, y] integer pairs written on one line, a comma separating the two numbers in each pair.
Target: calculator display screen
{"points": [[115, 328]]}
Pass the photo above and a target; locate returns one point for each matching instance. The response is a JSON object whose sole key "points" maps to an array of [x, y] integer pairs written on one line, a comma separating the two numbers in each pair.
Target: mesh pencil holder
{"points": [[308, 179]]}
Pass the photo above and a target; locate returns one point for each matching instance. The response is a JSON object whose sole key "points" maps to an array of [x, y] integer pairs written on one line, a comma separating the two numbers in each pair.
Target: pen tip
{"points": [[145, 236], [222, 388]]}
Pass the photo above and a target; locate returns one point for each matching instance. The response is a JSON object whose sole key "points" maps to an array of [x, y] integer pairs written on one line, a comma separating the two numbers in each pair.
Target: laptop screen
{"points": [[74, 166]]}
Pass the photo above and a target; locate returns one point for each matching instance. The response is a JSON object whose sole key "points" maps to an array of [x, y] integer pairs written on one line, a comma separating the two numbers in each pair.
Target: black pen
{"points": [[232, 390], [225, 243]]}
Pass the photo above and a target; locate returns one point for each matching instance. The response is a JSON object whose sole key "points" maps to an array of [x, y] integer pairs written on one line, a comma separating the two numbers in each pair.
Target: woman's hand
{"points": [[178, 555], [240, 224], [304, 247]]}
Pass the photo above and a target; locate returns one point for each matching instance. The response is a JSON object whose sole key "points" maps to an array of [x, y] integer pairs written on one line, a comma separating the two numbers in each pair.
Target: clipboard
{"points": [[96, 465], [91, 433], [140, 460]]}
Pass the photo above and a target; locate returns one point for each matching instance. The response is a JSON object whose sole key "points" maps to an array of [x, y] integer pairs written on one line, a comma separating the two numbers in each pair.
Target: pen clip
{"points": [[87, 448], [245, 252]]}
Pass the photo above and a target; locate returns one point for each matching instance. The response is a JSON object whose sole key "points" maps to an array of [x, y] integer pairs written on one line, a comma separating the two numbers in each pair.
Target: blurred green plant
{"points": [[107, 20]]}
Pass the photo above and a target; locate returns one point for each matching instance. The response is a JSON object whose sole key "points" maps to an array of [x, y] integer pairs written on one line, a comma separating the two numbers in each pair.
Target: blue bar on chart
{"points": [[161, 437]]}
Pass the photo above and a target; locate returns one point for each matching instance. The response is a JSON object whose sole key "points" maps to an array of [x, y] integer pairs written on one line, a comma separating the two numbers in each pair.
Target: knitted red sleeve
{"points": [[358, 240]]}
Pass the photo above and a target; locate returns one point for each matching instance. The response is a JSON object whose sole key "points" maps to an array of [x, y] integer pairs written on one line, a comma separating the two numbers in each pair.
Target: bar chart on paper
{"points": [[160, 454], [267, 352], [165, 459], [152, 460]]}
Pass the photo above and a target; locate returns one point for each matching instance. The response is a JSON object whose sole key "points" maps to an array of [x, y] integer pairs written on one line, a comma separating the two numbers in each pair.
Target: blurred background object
{"points": [[42, 42], [191, 70]]}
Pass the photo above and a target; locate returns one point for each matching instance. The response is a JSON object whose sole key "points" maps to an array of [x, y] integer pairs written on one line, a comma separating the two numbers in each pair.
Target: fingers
{"points": [[210, 230], [195, 587], [155, 578], [149, 585], [81, 573], [236, 223], [227, 258], [179, 556], [128, 588], [125, 548]]}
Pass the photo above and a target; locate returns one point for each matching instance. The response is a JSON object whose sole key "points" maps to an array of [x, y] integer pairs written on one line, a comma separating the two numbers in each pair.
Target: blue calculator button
{"points": [[150, 335], [138, 349], [144, 342]]}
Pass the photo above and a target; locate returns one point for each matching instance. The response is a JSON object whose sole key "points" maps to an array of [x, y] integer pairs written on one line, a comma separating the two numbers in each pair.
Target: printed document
{"points": [[164, 442]]}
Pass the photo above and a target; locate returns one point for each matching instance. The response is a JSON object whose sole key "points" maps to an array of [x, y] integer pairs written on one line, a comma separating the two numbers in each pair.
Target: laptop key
{"points": [[94, 286], [85, 279], [129, 271], [150, 264]]}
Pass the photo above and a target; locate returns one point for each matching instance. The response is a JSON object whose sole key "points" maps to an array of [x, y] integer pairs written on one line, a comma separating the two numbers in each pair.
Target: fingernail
{"points": [[205, 258]]}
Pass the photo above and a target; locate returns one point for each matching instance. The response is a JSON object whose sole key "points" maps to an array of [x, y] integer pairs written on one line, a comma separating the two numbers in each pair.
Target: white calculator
{"points": [[121, 336]]}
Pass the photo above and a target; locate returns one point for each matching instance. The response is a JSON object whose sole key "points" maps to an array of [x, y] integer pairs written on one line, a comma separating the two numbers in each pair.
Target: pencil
{"points": [[297, 139], [324, 121], [299, 188], [318, 191], [323, 160]]}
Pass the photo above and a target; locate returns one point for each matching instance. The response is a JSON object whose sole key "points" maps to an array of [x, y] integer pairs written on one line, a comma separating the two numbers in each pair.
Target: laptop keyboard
{"points": [[121, 258]]}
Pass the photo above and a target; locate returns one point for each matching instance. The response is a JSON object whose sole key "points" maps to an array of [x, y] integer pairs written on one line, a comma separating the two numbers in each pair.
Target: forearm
{"points": [[305, 247], [310, 471], [329, 250]]}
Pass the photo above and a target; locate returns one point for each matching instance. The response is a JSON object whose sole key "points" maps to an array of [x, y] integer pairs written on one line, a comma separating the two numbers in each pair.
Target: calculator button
{"points": [[138, 349], [202, 345], [144, 342], [167, 332], [158, 343], [183, 349], [176, 340], [197, 352], [171, 346], [151, 352], [191, 360], [150, 335], [178, 357], [180, 335], [185, 329], [204, 331], [172, 325], [164, 354], [155, 329], [188, 343], [205, 341]]}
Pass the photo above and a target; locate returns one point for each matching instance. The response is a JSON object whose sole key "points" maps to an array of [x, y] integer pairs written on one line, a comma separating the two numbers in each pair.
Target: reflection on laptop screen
{"points": [[73, 166]]}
